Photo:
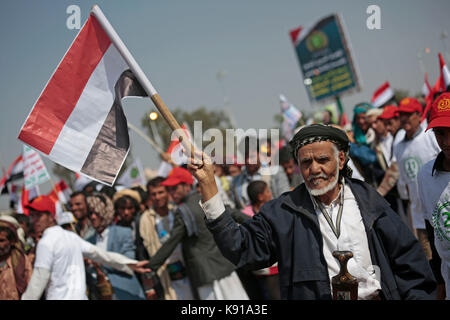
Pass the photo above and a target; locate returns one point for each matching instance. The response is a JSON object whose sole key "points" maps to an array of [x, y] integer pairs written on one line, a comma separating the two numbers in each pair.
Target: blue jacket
{"points": [[287, 230], [120, 240]]}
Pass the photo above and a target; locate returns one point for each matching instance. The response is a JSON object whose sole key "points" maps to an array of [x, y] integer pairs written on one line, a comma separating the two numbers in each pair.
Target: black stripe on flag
{"points": [[112, 143]]}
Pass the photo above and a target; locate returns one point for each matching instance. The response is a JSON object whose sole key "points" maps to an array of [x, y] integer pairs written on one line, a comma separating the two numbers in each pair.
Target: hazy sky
{"points": [[182, 45]]}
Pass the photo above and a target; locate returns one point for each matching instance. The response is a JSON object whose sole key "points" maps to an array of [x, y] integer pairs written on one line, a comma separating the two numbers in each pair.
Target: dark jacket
{"points": [[204, 262], [287, 230]]}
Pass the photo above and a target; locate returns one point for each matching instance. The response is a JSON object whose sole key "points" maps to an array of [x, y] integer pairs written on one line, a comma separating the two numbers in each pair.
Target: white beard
{"points": [[330, 186]]}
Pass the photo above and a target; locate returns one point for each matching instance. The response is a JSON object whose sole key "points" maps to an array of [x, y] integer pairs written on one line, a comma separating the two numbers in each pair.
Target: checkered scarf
{"points": [[317, 133]]}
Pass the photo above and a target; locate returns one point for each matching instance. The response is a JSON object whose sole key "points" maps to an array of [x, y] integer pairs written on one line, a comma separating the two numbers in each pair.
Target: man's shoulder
{"points": [[426, 169], [51, 234], [120, 230]]}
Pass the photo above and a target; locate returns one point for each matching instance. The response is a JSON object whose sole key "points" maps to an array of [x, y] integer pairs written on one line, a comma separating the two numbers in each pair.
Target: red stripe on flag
{"points": [[380, 90], [63, 90]]}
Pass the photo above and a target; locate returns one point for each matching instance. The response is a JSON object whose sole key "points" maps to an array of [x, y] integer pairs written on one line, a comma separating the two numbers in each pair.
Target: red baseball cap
{"points": [[43, 204], [178, 175], [389, 112], [410, 105], [440, 111]]}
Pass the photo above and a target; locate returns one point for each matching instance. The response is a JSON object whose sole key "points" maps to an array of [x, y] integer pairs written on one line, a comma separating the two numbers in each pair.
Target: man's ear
{"points": [[341, 160]]}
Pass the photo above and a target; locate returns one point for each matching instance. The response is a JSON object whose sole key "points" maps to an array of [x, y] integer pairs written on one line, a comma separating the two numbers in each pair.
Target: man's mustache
{"points": [[316, 176]]}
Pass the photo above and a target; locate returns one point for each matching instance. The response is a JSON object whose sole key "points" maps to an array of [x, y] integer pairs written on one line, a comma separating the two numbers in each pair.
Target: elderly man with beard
{"points": [[330, 211]]}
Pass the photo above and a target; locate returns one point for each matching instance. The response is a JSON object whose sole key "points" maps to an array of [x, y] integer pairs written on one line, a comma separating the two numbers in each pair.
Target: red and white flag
{"points": [[382, 95], [61, 192], [78, 120], [445, 74], [25, 197], [15, 172]]}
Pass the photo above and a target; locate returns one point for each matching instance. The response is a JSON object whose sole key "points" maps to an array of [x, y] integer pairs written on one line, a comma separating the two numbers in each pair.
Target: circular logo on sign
{"points": [[316, 41], [412, 166]]}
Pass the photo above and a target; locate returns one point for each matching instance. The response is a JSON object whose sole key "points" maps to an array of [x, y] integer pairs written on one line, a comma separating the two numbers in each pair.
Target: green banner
{"points": [[325, 59]]}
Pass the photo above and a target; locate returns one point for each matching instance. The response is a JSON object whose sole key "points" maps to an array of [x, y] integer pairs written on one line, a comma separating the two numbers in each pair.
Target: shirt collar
{"points": [[419, 131], [438, 163], [104, 234]]}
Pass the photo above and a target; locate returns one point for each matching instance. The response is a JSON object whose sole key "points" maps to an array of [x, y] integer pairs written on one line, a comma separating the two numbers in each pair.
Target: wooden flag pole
{"points": [[143, 80]]}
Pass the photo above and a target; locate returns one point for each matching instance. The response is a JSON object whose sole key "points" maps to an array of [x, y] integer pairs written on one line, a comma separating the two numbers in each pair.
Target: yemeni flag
{"points": [[78, 120], [25, 197], [445, 74], [61, 192], [382, 95], [15, 172]]}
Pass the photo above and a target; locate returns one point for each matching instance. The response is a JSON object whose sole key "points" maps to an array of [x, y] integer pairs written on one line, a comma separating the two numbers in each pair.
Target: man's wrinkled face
{"points": [[5, 244], [159, 196], [78, 206], [443, 139], [320, 165]]}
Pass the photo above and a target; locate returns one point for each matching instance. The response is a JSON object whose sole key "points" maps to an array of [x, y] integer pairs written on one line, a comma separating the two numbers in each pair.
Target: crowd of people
{"points": [[234, 231]]}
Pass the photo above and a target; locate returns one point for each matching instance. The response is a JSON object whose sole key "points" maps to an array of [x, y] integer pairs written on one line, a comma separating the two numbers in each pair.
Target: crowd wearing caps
{"points": [[409, 105]]}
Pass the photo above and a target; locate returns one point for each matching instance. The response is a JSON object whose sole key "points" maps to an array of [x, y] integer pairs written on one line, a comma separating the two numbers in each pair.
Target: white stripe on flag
{"points": [[425, 90], [446, 74], [383, 97], [85, 122]]}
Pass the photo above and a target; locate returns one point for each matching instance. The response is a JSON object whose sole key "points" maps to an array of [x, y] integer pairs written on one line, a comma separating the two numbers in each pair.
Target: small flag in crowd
{"points": [[34, 171], [426, 89], [134, 175], [175, 150], [61, 192], [291, 115], [78, 120], [25, 197], [382, 95], [445, 74], [15, 172]]}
